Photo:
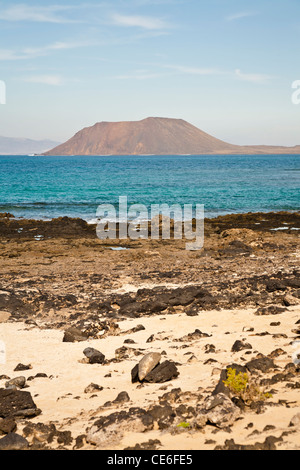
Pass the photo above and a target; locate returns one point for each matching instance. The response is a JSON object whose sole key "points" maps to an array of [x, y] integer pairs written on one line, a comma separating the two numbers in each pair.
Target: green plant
{"points": [[241, 386], [183, 425], [237, 383]]}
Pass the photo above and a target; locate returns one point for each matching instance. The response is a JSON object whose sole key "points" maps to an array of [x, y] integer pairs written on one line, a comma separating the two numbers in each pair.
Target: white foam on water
{"points": [[284, 228], [117, 248]]}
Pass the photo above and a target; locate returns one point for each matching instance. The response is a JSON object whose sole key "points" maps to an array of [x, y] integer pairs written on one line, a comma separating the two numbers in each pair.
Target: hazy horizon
{"points": [[223, 66]]}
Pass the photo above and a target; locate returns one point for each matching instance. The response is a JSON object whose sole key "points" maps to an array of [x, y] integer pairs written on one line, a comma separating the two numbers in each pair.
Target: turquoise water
{"points": [[47, 187]]}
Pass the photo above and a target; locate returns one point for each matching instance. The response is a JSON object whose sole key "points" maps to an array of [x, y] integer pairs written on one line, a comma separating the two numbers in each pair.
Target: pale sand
{"points": [[63, 401]]}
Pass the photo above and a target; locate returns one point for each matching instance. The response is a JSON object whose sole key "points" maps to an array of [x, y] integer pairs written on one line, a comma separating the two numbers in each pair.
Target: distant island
{"points": [[15, 146], [155, 136]]}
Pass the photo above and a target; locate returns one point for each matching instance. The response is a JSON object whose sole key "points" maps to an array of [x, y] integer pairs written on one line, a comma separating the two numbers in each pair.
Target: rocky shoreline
{"points": [[77, 318]]}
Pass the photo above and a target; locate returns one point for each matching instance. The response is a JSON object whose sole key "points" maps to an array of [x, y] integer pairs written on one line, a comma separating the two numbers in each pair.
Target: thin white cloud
{"points": [[34, 52], [194, 70], [58, 46], [174, 70], [40, 14], [139, 75], [252, 77], [240, 15], [52, 80], [7, 54], [144, 22], [142, 3], [169, 71]]}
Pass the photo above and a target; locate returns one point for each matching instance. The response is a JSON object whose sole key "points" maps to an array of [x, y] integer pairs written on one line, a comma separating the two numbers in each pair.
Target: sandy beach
{"points": [[234, 304]]}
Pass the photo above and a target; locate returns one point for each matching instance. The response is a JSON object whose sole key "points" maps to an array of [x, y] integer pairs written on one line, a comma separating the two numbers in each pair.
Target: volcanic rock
{"points": [[16, 403], [147, 364], [221, 411], [73, 335], [164, 372], [13, 441], [240, 345], [94, 356]]}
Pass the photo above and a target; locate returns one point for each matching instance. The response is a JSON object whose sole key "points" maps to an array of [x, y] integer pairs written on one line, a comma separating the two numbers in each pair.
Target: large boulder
{"points": [[13, 441], [164, 372], [16, 403], [73, 335], [150, 370], [221, 411]]}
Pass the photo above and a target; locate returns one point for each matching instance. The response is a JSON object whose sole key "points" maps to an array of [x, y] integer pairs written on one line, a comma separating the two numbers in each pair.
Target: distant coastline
{"points": [[152, 136]]}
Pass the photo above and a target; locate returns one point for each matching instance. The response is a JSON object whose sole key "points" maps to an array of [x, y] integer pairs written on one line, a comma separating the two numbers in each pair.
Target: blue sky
{"points": [[226, 66]]}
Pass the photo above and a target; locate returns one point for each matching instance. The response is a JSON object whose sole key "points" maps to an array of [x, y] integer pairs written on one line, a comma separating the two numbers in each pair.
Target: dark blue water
{"points": [[47, 187]]}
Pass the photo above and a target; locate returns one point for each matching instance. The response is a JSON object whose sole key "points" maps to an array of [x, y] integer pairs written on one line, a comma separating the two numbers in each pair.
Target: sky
{"points": [[225, 66]]}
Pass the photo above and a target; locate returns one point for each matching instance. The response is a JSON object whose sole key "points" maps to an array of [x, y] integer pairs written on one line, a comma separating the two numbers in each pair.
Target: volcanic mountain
{"points": [[152, 136]]}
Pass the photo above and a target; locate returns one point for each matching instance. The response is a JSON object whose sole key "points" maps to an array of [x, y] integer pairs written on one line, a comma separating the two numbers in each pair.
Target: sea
{"points": [[43, 187]]}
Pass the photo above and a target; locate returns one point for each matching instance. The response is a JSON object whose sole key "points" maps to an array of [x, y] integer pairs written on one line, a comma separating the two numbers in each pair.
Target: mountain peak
{"points": [[152, 135]]}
